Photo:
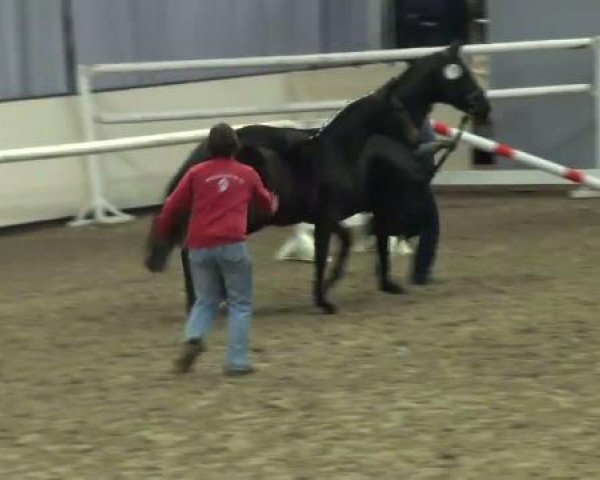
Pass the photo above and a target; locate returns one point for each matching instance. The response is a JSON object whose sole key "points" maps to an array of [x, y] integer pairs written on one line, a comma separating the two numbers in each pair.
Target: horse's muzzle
{"points": [[479, 106]]}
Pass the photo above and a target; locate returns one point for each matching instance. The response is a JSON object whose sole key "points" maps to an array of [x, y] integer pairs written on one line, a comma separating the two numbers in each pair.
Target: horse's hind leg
{"points": [[190, 295], [428, 242], [322, 237], [341, 260], [383, 266]]}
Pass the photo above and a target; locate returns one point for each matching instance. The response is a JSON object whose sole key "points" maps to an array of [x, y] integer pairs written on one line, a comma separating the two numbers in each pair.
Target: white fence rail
{"points": [[336, 59], [144, 117], [102, 211]]}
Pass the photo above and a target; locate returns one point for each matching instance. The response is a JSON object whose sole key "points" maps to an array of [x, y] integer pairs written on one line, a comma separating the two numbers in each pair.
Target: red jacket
{"points": [[215, 194]]}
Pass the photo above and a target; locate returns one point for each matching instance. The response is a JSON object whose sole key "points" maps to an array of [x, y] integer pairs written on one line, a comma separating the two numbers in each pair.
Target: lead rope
{"points": [[452, 146]]}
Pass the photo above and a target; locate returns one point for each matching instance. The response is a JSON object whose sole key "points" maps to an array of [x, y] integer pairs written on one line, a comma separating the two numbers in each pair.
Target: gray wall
{"points": [[33, 41], [31, 48], [113, 31], [560, 128]]}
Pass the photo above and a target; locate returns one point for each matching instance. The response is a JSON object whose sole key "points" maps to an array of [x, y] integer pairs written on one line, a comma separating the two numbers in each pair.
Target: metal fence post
{"points": [[98, 210]]}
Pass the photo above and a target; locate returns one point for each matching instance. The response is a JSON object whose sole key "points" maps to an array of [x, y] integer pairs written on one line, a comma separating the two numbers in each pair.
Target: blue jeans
{"points": [[211, 269]]}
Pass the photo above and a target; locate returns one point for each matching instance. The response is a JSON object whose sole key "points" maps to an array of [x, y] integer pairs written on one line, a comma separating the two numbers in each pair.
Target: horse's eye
{"points": [[452, 71]]}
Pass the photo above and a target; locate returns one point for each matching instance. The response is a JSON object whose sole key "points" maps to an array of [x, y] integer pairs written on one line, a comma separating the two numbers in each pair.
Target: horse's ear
{"points": [[453, 50]]}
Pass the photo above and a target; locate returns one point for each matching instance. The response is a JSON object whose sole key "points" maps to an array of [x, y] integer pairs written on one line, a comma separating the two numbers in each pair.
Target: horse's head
{"points": [[443, 77], [457, 86]]}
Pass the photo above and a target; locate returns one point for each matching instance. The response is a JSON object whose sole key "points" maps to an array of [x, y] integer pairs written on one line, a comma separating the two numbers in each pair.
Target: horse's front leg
{"points": [[383, 265], [322, 237], [341, 260]]}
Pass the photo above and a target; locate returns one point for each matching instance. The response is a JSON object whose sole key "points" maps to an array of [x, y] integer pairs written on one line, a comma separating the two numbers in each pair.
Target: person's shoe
{"points": [[239, 371], [189, 352]]}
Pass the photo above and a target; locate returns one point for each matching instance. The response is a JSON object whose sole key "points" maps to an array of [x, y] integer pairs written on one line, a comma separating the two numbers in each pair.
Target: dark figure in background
{"points": [[427, 224], [429, 23], [418, 213]]}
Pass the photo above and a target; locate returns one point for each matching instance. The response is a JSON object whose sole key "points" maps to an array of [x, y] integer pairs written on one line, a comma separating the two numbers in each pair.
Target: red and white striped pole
{"points": [[482, 143]]}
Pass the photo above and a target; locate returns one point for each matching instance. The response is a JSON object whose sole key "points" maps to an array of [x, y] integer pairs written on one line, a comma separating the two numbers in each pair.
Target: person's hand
{"points": [[274, 203]]}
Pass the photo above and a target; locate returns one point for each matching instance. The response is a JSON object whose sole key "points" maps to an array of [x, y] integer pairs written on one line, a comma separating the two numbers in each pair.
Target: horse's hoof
{"points": [[330, 284], [328, 308], [393, 288], [423, 281]]}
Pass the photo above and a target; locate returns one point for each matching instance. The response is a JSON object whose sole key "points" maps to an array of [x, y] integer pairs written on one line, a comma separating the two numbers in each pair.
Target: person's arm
{"points": [[268, 201], [402, 122], [175, 208]]}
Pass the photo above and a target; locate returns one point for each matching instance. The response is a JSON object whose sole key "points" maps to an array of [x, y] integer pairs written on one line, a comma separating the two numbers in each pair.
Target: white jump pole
{"points": [[571, 174], [122, 144]]}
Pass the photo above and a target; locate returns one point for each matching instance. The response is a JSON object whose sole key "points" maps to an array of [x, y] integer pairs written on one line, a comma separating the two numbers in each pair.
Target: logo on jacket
{"points": [[223, 184]]}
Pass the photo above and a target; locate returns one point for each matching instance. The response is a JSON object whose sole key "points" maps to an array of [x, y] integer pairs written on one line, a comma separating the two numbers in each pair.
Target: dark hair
{"points": [[222, 141]]}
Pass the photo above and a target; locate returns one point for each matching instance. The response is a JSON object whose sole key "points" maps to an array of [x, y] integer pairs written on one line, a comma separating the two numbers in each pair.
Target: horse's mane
{"points": [[412, 75], [340, 115]]}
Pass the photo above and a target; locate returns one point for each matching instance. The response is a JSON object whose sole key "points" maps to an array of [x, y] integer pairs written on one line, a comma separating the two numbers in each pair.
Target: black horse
{"points": [[324, 176]]}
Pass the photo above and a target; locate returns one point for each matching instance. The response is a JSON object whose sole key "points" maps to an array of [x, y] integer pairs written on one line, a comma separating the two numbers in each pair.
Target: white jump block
{"points": [[583, 192], [300, 247]]}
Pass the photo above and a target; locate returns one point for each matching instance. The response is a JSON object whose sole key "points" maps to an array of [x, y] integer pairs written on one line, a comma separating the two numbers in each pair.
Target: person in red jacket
{"points": [[215, 195]]}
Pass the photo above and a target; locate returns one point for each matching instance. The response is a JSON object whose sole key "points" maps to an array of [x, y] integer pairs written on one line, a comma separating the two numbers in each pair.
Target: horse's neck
{"points": [[418, 107], [419, 115], [348, 125], [416, 97]]}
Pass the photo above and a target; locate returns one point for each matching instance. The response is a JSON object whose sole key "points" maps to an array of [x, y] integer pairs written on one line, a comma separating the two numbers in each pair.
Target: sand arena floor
{"points": [[493, 374]]}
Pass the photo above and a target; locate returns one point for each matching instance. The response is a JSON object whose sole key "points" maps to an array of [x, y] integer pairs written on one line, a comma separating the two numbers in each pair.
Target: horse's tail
{"points": [[158, 250], [199, 154]]}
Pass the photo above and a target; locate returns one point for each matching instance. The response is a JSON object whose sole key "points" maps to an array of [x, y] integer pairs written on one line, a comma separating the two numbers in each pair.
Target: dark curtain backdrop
{"points": [[41, 40]]}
